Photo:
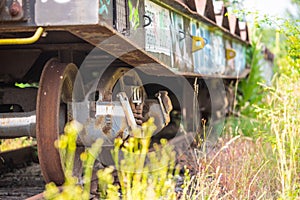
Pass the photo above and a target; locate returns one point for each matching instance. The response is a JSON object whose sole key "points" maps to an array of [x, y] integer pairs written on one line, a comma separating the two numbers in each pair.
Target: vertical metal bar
{"points": [[127, 110]]}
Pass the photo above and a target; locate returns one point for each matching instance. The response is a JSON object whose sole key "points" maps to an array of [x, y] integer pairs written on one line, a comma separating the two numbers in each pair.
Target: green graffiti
{"points": [[134, 15], [27, 85]]}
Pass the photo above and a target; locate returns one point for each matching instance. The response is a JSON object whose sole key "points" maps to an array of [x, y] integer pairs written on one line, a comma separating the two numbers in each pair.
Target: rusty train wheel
{"points": [[55, 90]]}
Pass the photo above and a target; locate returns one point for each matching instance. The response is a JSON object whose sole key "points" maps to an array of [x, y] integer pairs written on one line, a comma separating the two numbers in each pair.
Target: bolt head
{"points": [[15, 9]]}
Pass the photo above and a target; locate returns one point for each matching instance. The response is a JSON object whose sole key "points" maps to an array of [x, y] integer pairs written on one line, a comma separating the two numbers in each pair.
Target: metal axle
{"points": [[13, 125]]}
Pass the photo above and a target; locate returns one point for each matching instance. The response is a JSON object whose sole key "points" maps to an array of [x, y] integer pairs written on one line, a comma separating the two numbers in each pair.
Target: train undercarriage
{"points": [[107, 75]]}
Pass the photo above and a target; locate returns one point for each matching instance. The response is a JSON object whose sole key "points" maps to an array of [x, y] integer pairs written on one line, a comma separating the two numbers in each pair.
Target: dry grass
{"points": [[238, 168]]}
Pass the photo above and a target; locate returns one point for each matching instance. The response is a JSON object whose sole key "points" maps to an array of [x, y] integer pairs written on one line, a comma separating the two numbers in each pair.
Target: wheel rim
{"points": [[55, 89]]}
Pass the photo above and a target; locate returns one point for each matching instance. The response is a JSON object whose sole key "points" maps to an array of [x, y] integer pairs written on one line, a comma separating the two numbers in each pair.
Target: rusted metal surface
{"points": [[176, 54], [56, 82], [118, 109], [118, 46], [187, 12], [12, 60], [108, 122], [17, 124], [71, 12], [208, 61], [109, 40], [25, 98], [15, 9], [12, 10], [179, 30]]}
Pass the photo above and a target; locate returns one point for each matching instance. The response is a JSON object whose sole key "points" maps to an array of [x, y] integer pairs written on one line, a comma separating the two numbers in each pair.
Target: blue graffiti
{"points": [[103, 6]]}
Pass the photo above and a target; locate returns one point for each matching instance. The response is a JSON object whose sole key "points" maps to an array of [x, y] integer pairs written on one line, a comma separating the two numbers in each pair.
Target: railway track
{"points": [[17, 158], [20, 174]]}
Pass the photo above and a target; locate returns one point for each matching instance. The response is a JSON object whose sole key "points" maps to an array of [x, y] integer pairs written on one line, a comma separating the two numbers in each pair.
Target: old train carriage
{"points": [[112, 64]]}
